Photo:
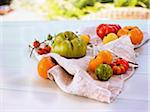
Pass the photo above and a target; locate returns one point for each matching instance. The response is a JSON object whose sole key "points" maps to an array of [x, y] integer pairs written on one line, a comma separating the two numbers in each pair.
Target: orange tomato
{"points": [[105, 56], [122, 32], [136, 35], [94, 63], [44, 65]]}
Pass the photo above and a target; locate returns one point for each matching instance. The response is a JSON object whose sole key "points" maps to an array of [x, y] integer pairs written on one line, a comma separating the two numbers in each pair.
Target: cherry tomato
{"points": [[40, 51], [36, 44], [47, 48]]}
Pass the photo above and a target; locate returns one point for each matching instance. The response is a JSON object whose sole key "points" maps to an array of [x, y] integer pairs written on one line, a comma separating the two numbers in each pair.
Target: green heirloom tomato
{"points": [[69, 45], [103, 72]]}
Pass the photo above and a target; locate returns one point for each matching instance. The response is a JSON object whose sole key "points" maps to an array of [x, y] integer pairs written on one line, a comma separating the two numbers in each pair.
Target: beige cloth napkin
{"points": [[72, 77]]}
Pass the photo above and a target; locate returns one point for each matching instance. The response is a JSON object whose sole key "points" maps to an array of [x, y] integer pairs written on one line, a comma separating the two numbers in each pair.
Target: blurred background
{"points": [[45, 10]]}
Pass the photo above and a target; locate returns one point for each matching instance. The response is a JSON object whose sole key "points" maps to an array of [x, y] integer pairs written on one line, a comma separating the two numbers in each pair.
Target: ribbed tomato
{"points": [[120, 66], [104, 29]]}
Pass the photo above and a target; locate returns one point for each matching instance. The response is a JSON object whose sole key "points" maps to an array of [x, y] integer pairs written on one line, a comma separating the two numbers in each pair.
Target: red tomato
{"points": [[123, 70], [47, 48], [100, 30], [116, 70], [36, 44], [40, 51], [118, 26], [123, 62], [104, 29], [111, 29], [120, 66]]}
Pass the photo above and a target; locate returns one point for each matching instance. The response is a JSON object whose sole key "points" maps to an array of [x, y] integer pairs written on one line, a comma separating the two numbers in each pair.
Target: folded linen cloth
{"points": [[72, 77]]}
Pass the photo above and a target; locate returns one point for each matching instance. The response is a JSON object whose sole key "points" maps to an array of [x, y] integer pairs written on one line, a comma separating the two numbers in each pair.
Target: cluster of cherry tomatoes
{"points": [[41, 47], [46, 49]]}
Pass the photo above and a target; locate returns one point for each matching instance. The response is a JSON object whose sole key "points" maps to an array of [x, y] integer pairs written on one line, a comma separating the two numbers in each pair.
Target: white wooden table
{"points": [[22, 90]]}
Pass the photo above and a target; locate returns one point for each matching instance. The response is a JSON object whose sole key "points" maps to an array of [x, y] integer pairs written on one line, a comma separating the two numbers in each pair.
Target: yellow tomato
{"points": [[85, 38]]}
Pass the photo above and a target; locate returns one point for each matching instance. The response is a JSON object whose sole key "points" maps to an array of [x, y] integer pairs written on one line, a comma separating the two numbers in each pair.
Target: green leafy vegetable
{"points": [[83, 3], [132, 2], [64, 9], [119, 3], [142, 3], [105, 1]]}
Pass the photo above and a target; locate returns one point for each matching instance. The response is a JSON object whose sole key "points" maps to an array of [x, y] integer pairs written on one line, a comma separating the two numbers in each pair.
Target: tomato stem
{"points": [[132, 63], [31, 50]]}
